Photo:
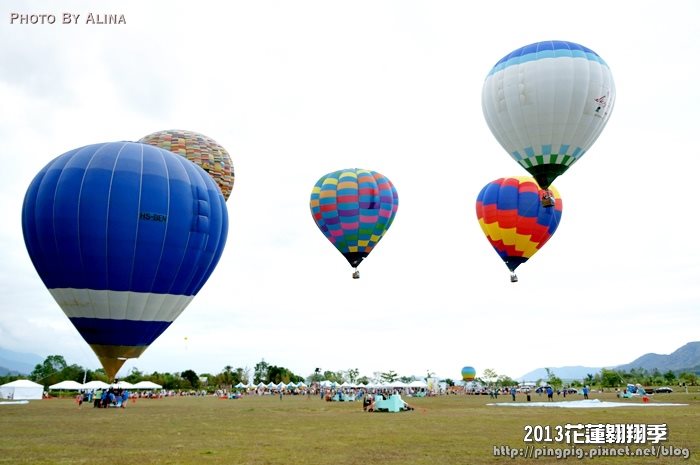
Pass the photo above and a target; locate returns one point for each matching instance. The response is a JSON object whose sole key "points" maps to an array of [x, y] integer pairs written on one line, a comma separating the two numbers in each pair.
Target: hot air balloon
{"points": [[123, 235], [468, 374], [515, 222], [354, 208], [546, 104], [199, 149]]}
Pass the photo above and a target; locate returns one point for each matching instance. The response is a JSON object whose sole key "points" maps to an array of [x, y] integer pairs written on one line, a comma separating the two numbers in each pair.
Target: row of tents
{"points": [[418, 384], [24, 389]]}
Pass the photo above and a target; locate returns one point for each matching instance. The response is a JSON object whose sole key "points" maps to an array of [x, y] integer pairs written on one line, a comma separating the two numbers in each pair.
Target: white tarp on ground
{"points": [[68, 385], [590, 403], [21, 389]]}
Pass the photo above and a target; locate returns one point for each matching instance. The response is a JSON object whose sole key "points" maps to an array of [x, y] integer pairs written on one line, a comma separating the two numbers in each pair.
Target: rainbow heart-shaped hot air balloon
{"points": [[514, 220]]}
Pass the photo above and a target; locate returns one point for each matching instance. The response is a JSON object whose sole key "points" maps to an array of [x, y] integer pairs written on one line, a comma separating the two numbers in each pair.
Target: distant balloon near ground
{"points": [[123, 235], [547, 103], [199, 149], [513, 219], [468, 374], [354, 208]]}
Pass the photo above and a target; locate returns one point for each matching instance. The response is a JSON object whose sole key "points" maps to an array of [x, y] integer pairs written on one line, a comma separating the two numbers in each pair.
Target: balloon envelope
{"points": [[199, 149], [123, 235], [513, 219], [547, 103], [354, 208], [468, 373]]}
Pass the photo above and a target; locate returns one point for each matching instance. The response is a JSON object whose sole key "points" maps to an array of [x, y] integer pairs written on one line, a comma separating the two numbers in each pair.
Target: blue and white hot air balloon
{"points": [[547, 103], [123, 235]]}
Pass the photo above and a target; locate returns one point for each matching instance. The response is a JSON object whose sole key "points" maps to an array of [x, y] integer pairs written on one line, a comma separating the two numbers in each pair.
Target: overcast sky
{"points": [[297, 89]]}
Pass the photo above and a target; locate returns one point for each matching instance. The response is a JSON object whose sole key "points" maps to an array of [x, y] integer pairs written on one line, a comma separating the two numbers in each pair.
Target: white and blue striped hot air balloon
{"points": [[123, 235], [547, 103]]}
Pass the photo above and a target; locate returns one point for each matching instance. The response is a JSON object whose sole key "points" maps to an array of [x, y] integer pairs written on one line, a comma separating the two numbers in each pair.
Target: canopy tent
{"points": [[95, 384], [21, 389], [239, 386], [418, 384], [146, 385], [68, 385], [123, 385]]}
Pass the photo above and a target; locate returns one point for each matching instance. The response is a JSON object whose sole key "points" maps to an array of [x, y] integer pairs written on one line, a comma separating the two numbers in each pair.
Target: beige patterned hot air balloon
{"points": [[201, 150]]}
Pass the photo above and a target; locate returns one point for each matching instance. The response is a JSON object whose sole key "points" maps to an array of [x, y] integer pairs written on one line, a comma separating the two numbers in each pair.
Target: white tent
{"points": [[418, 384], [68, 385], [123, 385], [146, 385], [95, 384], [21, 389]]}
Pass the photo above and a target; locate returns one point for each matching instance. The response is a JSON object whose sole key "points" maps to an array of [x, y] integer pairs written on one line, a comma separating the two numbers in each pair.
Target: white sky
{"points": [[296, 89]]}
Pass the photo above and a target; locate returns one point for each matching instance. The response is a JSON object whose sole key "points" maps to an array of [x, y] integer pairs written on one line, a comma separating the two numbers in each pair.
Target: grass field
{"points": [[298, 430]]}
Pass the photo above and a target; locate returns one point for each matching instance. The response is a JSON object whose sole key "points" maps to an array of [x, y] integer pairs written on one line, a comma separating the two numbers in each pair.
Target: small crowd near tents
{"points": [[375, 397], [99, 392]]}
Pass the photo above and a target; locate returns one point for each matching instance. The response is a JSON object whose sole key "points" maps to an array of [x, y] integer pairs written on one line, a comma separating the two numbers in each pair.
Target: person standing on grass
{"points": [[550, 393], [512, 392], [585, 392]]}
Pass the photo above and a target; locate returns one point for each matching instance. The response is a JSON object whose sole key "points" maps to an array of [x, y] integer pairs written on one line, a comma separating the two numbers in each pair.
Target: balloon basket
{"points": [[513, 278], [547, 199], [356, 274]]}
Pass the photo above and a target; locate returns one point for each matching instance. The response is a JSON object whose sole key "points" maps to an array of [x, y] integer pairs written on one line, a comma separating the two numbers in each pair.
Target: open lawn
{"points": [[299, 430]]}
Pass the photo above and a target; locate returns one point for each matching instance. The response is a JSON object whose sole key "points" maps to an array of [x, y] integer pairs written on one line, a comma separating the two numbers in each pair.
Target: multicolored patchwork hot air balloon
{"points": [[199, 149], [468, 374], [516, 224], [547, 103], [354, 208], [123, 235]]}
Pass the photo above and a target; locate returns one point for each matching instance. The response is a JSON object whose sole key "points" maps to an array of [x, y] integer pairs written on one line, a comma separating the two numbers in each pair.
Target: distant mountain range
{"points": [[17, 363], [686, 358]]}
